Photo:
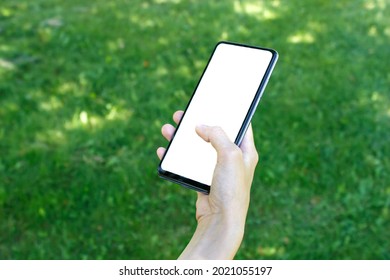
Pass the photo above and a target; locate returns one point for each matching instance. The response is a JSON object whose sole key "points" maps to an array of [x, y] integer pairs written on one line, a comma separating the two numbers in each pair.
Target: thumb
{"points": [[216, 136]]}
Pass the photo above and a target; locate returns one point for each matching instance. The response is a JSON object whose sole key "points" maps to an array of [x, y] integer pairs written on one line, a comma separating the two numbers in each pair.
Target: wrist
{"points": [[230, 226], [216, 237]]}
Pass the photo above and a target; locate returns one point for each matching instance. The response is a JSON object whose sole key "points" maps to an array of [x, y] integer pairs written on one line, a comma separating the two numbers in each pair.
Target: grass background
{"points": [[86, 85]]}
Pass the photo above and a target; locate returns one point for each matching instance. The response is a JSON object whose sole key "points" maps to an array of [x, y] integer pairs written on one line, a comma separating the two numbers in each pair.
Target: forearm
{"points": [[214, 238]]}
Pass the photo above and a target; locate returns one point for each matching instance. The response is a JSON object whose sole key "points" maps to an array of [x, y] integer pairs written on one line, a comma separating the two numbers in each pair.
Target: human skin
{"points": [[221, 215]]}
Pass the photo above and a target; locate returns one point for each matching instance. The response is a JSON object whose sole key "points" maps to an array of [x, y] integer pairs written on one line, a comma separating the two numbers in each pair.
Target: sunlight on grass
{"points": [[256, 9], [184, 70], [380, 101], [375, 4], [118, 113], [67, 87], [52, 103], [5, 48], [377, 100], [387, 31], [144, 23], [161, 71], [84, 117], [378, 6], [301, 38], [167, 1], [50, 136], [116, 45], [9, 107], [270, 251], [316, 26], [373, 31], [5, 12], [224, 36], [163, 41], [7, 65], [83, 120], [376, 97], [87, 120], [307, 37]]}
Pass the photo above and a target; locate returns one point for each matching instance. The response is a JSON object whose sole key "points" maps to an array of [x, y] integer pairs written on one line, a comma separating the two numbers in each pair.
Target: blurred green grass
{"points": [[86, 85]]}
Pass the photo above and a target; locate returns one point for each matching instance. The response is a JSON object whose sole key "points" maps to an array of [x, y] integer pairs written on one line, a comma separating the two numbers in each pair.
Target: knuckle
{"points": [[216, 130], [233, 153]]}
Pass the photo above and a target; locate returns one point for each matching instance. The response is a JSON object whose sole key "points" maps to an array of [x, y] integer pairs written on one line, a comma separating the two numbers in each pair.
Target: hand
{"points": [[221, 215]]}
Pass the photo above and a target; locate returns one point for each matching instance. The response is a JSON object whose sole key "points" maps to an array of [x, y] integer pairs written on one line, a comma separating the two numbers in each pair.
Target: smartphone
{"points": [[226, 95]]}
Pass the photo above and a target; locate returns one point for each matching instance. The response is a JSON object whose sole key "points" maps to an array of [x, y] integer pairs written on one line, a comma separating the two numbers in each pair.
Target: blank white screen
{"points": [[222, 98]]}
